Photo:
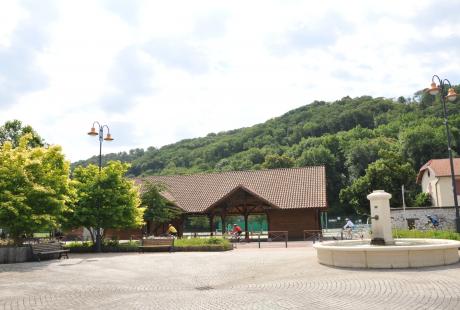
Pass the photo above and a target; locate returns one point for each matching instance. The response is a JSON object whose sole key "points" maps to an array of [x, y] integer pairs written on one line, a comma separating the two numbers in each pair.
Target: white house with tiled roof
{"points": [[435, 179]]}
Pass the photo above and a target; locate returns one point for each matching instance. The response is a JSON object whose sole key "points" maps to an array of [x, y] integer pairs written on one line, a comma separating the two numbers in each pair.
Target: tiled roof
{"points": [[283, 188], [440, 167]]}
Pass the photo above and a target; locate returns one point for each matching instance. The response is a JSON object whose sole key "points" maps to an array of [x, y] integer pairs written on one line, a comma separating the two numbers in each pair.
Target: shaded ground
{"points": [[247, 278]]}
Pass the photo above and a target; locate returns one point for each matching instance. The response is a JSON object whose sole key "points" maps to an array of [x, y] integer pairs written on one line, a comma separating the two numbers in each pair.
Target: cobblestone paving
{"points": [[270, 278]]}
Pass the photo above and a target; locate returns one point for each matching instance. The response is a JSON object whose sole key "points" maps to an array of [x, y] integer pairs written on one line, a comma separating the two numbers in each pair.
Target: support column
{"points": [[184, 220], [224, 225], [318, 220], [267, 213], [246, 228], [211, 223]]}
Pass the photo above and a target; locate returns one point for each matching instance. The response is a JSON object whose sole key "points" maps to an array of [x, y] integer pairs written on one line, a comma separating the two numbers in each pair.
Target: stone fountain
{"points": [[382, 251]]}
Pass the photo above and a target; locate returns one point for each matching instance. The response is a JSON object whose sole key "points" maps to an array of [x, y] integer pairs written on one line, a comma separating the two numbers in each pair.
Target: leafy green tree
{"points": [[158, 209], [387, 173], [422, 200], [198, 223], [360, 153], [34, 188], [278, 161], [105, 200], [322, 156], [424, 142], [12, 131]]}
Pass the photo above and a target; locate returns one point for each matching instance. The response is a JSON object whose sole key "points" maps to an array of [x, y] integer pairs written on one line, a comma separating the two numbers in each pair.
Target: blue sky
{"points": [[160, 71]]}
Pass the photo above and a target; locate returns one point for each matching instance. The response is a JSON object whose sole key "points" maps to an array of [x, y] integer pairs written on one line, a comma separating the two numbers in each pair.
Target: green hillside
{"points": [[365, 143]]}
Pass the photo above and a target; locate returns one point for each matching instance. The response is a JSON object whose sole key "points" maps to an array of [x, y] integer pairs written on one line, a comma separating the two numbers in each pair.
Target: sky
{"points": [[157, 72]]}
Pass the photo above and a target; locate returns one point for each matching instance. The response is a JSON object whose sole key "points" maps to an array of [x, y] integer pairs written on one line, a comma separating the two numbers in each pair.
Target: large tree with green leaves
{"points": [[278, 161], [12, 131], [389, 173], [158, 209], [425, 141], [34, 188], [105, 200]]}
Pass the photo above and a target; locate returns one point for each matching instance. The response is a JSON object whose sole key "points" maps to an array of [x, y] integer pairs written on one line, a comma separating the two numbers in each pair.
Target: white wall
{"points": [[441, 189], [426, 181]]}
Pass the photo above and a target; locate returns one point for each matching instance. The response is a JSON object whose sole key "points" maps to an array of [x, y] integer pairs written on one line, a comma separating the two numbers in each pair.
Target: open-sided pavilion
{"points": [[290, 198]]}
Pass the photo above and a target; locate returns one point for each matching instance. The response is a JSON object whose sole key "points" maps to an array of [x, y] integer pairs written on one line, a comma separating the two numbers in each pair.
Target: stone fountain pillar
{"points": [[381, 218]]}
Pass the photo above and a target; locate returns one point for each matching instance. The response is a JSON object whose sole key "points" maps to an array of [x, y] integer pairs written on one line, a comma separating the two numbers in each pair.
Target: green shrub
{"points": [[213, 241], [111, 243], [79, 244], [422, 200]]}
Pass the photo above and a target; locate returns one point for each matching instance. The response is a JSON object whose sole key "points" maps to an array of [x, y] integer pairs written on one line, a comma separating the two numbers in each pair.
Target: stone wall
{"points": [[446, 216], [10, 255], [295, 221]]}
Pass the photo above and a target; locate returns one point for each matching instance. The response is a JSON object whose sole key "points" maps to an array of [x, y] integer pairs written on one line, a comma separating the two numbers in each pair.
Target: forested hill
{"points": [[365, 143]]}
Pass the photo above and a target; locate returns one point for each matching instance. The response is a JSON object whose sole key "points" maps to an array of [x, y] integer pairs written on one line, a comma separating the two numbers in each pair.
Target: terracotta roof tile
{"points": [[284, 188], [440, 167]]}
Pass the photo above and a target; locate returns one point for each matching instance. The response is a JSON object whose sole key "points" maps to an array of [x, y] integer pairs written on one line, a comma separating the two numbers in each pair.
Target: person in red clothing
{"points": [[236, 231]]}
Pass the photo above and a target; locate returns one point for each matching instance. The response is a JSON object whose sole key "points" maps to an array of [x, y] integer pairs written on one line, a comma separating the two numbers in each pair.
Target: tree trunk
{"points": [[91, 234], [224, 225]]}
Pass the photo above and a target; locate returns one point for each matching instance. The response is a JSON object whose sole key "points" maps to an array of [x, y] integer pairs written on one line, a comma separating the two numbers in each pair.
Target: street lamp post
{"points": [[108, 137], [444, 88]]}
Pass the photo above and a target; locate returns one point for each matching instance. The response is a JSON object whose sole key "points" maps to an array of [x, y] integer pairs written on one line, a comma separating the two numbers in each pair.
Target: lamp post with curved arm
{"points": [[108, 137], [446, 91]]}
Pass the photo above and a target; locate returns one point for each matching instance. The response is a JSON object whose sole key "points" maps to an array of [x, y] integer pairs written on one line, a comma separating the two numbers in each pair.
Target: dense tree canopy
{"points": [[105, 200], [34, 188], [157, 208], [349, 136], [389, 173], [12, 131]]}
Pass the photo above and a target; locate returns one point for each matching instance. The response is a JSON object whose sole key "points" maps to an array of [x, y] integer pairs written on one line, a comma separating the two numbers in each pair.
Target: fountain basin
{"points": [[405, 253]]}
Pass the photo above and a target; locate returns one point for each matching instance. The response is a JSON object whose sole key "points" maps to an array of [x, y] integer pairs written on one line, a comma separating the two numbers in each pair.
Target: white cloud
{"points": [[10, 15], [158, 72]]}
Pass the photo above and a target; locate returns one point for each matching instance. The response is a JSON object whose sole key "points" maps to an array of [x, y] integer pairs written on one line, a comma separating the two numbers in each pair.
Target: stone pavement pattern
{"points": [[270, 278]]}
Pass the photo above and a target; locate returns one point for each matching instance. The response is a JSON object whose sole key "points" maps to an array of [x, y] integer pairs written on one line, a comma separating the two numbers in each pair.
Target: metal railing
{"points": [[313, 235], [275, 236]]}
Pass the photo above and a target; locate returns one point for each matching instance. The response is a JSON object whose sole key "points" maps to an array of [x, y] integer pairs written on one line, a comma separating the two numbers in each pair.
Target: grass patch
{"points": [[41, 235], [431, 234], [203, 244], [200, 242]]}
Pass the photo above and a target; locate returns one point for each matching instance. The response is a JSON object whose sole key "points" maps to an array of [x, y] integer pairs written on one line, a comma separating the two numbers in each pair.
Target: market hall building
{"points": [[291, 198]]}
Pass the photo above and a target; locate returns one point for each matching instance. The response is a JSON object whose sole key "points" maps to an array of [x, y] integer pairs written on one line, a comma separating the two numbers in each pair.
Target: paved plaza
{"points": [[246, 278]]}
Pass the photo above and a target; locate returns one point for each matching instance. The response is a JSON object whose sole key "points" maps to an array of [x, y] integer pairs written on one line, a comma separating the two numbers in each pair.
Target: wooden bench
{"points": [[40, 249], [157, 243]]}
